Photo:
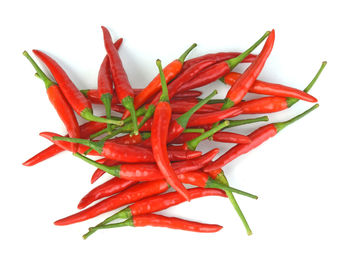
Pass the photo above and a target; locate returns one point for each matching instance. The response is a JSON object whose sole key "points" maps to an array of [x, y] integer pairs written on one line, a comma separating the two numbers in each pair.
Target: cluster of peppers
{"points": [[152, 146]]}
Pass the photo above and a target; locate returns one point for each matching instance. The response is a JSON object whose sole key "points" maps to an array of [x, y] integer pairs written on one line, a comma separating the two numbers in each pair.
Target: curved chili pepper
{"points": [[157, 203], [216, 71], [75, 98], [112, 186], [162, 221], [59, 102], [258, 137], [275, 104], [159, 132], [213, 117], [180, 106], [105, 83], [170, 72], [122, 85], [150, 172], [188, 94], [118, 152], [267, 88], [217, 57], [244, 82]]}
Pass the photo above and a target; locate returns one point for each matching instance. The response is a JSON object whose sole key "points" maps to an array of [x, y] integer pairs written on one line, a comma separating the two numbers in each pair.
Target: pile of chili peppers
{"points": [[150, 144]]}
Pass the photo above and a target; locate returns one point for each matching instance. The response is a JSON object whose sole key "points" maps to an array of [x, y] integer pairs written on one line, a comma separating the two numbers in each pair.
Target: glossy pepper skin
{"points": [[213, 117], [257, 137], [159, 133], [227, 137]]}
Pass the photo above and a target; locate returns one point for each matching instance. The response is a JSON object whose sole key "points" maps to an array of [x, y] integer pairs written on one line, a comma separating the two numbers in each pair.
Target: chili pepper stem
{"points": [[149, 113], [107, 101], [97, 146], [292, 101], [125, 223], [222, 179], [87, 114], [165, 95], [234, 123], [185, 54], [194, 130], [192, 144], [279, 126], [211, 183], [114, 171], [128, 103]]}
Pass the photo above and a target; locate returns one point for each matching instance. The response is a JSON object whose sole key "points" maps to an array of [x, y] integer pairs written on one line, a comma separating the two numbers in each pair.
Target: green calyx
{"points": [[114, 171], [194, 130], [183, 119], [107, 101], [279, 126], [234, 123], [97, 146], [145, 135], [292, 101], [87, 114], [85, 92], [185, 54], [192, 144], [221, 178], [39, 72], [227, 104], [233, 62], [165, 95], [129, 222], [149, 113], [128, 103], [211, 183]]}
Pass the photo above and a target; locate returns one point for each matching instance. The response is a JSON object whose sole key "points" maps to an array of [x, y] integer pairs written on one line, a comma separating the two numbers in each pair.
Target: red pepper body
{"points": [[75, 98], [112, 186], [213, 117], [182, 106], [118, 108], [93, 96], [267, 88], [164, 201], [231, 138], [217, 57], [185, 137], [173, 223], [188, 94], [196, 178], [129, 195], [257, 137], [159, 132], [264, 105], [244, 82], [128, 140]]}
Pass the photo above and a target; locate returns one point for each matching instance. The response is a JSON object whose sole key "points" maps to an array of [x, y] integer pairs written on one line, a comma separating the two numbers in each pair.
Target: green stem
{"points": [[107, 101], [40, 73], [128, 222], [234, 123], [114, 171], [185, 54], [85, 92], [149, 113], [165, 96], [97, 146], [292, 101], [183, 119], [128, 103], [192, 144], [279, 126], [87, 114], [222, 179], [233, 62], [145, 135], [194, 130]]}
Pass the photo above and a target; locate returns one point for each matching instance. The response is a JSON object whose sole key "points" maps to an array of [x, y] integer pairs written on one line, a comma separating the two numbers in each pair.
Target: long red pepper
{"points": [[246, 80], [75, 98], [162, 221], [159, 133], [118, 152], [157, 203], [275, 104], [59, 102], [105, 83], [180, 106], [258, 137], [150, 172], [122, 85], [267, 88]]}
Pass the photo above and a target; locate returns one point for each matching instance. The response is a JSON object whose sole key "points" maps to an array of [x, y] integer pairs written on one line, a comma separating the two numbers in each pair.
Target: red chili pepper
{"points": [[150, 172], [59, 102], [267, 88], [105, 83], [112, 186], [182, 106], [257, 137], [188, 94], [85, 131], [159, 132], [118, 152], [75, 98], [134, 139], [244, 82], [217, 57], [166, 222], [98, 172], [157, 203], [220, 69], [213, 117], [122, 85], [275, 104], [170, 72]]}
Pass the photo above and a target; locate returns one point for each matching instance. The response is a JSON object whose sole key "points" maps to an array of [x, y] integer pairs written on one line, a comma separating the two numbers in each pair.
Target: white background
{"points": [[301, 175]]}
